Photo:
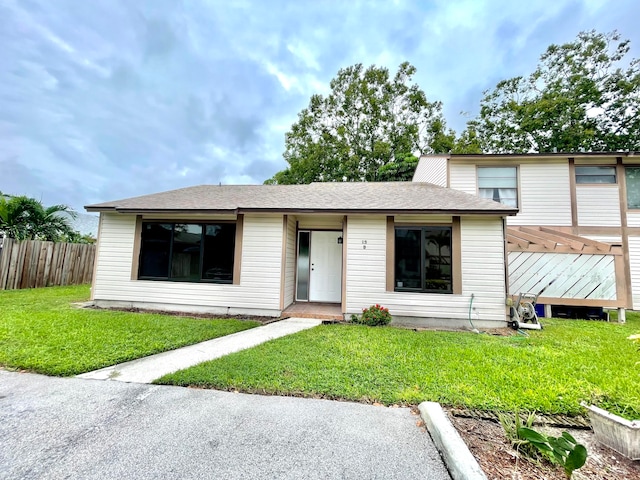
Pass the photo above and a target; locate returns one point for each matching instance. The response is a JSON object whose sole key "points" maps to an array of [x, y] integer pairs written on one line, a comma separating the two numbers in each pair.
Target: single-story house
{"points": [[432, 255]]}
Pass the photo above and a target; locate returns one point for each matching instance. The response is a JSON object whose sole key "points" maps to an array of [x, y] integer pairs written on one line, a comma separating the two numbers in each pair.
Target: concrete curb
{"points": [[461, 464]]}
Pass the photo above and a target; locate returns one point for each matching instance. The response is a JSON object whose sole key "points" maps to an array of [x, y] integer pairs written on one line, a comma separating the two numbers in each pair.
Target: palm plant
{"points": [[25, 218]]}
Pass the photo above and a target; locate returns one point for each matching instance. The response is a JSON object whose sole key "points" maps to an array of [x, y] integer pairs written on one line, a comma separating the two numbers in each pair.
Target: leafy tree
{"points": [[468, 141], [400, 170], [12, 219], [367, 121], [77, 237], [583, 96], [25, 218]]}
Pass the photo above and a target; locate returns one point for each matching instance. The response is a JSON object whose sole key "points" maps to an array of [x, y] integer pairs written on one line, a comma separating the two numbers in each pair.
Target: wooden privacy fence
{"points": [[33, 263]]}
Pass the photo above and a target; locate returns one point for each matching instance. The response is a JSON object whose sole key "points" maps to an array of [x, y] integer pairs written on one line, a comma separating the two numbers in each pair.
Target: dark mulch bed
{"points": [[487, 442], [206, 316]]}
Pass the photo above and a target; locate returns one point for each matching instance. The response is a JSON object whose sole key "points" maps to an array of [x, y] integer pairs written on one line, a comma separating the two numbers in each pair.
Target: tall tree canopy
{"points": [[25, 218], [368, 121], [583, 96]]}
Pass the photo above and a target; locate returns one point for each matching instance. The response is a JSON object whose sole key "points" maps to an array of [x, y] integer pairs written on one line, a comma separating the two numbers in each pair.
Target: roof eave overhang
{"points": [[161, 211], [95, 209], [324, 211], [380, 211], [488, 156]]}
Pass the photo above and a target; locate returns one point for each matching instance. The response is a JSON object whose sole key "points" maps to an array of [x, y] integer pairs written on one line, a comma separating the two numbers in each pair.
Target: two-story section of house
{"points": [[576, 239]]}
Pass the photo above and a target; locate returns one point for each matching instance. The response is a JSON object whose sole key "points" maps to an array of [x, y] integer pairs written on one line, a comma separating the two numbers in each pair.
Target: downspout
{"points": [[506, 265]]}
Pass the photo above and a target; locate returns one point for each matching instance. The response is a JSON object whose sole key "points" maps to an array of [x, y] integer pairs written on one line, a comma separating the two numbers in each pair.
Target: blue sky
{"points": [[107, 99]]}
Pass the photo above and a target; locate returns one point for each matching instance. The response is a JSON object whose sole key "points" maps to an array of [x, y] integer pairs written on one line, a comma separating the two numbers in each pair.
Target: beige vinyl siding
{"points": [[612, 239], [543, 191], [482, 275], [115, 258], [432, 170], [633, 218], [463, 177], [634, 267], [320, 222], [598, 205], [483, 267], [422, 219], [544, 195], [290, 262], [258, 292]]}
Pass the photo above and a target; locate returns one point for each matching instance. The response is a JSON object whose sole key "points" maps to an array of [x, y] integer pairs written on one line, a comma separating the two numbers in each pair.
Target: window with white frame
{"points": [[499, 184]]}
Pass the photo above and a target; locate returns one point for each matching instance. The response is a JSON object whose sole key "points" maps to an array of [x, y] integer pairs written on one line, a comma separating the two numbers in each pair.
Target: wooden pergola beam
{"points": [[535, 239], [577, 245], [604, 247]]}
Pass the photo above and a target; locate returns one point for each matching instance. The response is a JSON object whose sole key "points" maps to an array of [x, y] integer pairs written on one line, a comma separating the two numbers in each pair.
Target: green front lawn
{"points": [[550, 371], [40, 331]]}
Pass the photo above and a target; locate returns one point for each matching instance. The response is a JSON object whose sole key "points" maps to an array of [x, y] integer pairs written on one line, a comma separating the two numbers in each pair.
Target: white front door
{"points": [[325, 277]]}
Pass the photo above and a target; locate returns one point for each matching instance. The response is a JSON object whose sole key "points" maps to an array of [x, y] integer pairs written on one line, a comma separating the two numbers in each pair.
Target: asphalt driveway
{"points": [[54, 428]]}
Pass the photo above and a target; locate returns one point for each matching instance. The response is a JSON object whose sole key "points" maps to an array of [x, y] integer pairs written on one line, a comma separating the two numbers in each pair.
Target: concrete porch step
{"points": [[319, 316], [320, 311]]}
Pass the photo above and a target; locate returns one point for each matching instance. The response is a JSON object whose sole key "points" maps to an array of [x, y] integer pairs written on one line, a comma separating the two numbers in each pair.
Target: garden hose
{"points": [[473, 327]]}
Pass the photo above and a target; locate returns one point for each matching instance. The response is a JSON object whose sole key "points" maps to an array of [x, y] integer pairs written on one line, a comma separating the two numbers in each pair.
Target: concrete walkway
{"points": [[148, 369]]}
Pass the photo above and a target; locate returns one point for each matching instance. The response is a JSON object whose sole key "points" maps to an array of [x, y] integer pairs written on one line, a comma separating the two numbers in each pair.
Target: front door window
{"points": [[319, 267], [302, 290]]}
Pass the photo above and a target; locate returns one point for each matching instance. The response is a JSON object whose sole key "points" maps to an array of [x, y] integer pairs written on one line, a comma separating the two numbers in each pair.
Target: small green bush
{"points": [[373, 316]]}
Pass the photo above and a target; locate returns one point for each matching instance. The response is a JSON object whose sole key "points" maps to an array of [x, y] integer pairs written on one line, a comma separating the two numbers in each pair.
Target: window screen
{"points": [[499, 184], [595, 174]]}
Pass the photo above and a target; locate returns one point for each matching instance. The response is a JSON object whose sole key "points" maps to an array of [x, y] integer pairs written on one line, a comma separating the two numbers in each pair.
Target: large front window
{"points": [[632, 177], [423, 259], [192, 252], [499, 184]]}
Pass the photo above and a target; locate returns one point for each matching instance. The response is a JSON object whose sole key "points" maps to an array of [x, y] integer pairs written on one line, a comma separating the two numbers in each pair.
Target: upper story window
{"points": [[632, 177], [499, 184], [423, 259], [192, 252], [595, 174]]}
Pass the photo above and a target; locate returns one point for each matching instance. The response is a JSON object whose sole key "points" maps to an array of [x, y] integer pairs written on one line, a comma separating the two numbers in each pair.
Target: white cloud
{"points": [[103, 100], [285, 80], [304, 53], [61, 44]]}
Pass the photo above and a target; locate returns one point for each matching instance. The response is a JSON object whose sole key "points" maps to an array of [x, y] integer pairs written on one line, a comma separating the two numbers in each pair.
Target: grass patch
{"points": [[550, 371], [40, 331]]}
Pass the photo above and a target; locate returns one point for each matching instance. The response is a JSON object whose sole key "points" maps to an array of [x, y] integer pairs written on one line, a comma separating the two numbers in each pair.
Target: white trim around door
{"points": [[319, 277]]}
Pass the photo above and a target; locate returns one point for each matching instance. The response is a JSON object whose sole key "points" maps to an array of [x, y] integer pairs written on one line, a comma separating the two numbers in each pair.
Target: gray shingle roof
{"points": [[316, 197]]}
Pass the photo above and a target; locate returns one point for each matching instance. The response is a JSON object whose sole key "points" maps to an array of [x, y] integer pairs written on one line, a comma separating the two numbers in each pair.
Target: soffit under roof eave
{"points": [[162, 211], [323, 211], [381, 211], [95, 209]]}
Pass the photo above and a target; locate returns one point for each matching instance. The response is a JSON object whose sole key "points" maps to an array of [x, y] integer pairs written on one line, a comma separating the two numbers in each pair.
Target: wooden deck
{"points": [[323, 311]]}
